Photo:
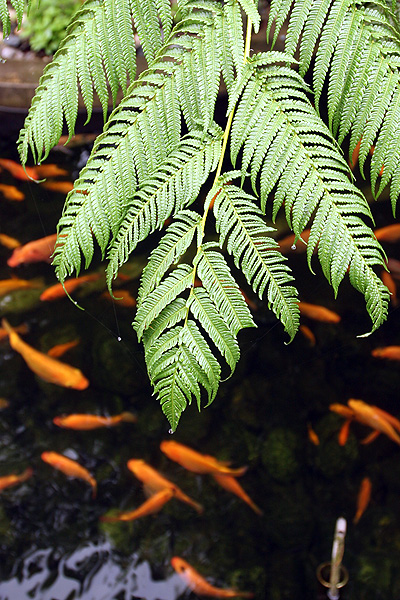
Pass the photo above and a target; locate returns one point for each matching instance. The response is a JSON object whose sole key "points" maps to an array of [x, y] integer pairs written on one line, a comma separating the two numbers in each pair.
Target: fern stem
{"points": [[225, 138]]}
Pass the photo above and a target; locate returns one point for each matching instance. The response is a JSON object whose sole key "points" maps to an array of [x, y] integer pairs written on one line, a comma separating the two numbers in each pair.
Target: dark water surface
{"points": [[52, 544]]}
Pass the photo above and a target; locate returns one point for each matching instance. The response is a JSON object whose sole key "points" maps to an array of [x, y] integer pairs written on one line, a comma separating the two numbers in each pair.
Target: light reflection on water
{"points": [[92, 572]]}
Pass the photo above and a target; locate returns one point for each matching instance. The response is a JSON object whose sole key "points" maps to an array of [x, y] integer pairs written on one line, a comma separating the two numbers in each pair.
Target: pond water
{"points": [[53, 545]]}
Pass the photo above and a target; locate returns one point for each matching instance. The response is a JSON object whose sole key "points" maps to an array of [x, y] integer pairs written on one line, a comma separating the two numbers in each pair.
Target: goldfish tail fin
{"points": [[105, 519], [238, 472], [128, 417], [6, 325], [94, 493], [27, 473]]}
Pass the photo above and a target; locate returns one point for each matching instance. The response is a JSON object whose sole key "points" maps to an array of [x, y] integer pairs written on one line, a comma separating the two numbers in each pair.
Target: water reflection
{"points": [[93, 571]]}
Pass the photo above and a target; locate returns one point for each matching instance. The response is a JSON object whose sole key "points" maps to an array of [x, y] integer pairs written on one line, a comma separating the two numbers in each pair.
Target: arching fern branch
{"points": [[357, 50], [287, 146]]}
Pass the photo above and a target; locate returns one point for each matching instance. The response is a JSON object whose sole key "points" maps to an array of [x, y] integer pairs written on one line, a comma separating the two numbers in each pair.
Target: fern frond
{"points": [[173, 245], [18, 6], [230, 43], [222, 288], [256, 254], [85, 59], [138, 138], [296, 153]]}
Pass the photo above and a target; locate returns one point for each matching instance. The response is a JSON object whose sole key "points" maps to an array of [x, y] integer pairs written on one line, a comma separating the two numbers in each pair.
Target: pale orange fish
{"points": [[12, 284], [196, 462], [61, 349], [231, 484], [318, 313], [18, 171], [390, 283], [390, 233], [48, 368], [36, 251], [199, 585], [85, 422], [63, 187], [10, 480], [9, 242], [122, 298], [57, 290], [150, 506], [287, 245], [10, 192], [154, 482], [69, 467], [4, 403], [50, 171], [388, 352], [344, 432], [312, 435], [308, 334], [370, 415], [363, 498], [23, 328]]}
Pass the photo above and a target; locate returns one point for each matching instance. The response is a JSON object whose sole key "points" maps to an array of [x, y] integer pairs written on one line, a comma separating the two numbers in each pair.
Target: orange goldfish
{"points": [[62, 187], [57, 290], [389, 352], [10, 480], [69, 467], [344, 432], [390, 233], [308, 334], [318, 313], [312, 435], [4, 403], [36, 251], [12, 284], [363, 498], [18, 171], [390, 283], [154, 482], [48, 368], [287, 244], [10, 192], [9, 242], [230, 484], [60, 349], [370, 415], [122, 298], [394, 267], [199, 585], [151, 505], [23, 328], [196, 462], [50, 171], [84, 422]]}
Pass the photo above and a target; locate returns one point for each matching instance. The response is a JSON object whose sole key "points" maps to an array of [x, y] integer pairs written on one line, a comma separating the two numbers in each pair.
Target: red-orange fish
{"points": [[154, 482], [231, 484], [199, 585], [69, 467], [48, 368], [18, 171], [196, 462], [394, 267], [122, 298], [370, 415], [318, 313], [312, 435], [363, 498], [12, 284], [85, 422], [308, 334], [10, 192], [287, 245], [9, 242], [50, 170], [57, 290], [62, 187], [36, 251], [150, 506], [344, 432], [390, 283], [388, 352], [61, 349], [390, 233], [10, 480]]}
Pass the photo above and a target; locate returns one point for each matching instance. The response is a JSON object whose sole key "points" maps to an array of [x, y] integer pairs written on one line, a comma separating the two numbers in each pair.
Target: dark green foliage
{"points": [[144, 170]]}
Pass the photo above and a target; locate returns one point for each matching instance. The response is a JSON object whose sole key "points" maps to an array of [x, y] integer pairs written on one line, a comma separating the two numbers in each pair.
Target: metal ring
{"points": [[344, 572]]}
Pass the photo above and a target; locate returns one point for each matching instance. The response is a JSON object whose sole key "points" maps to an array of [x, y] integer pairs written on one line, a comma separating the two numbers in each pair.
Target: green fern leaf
{"points": [[297, 155], [256, 254], [18, 6], [230, 43]]}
